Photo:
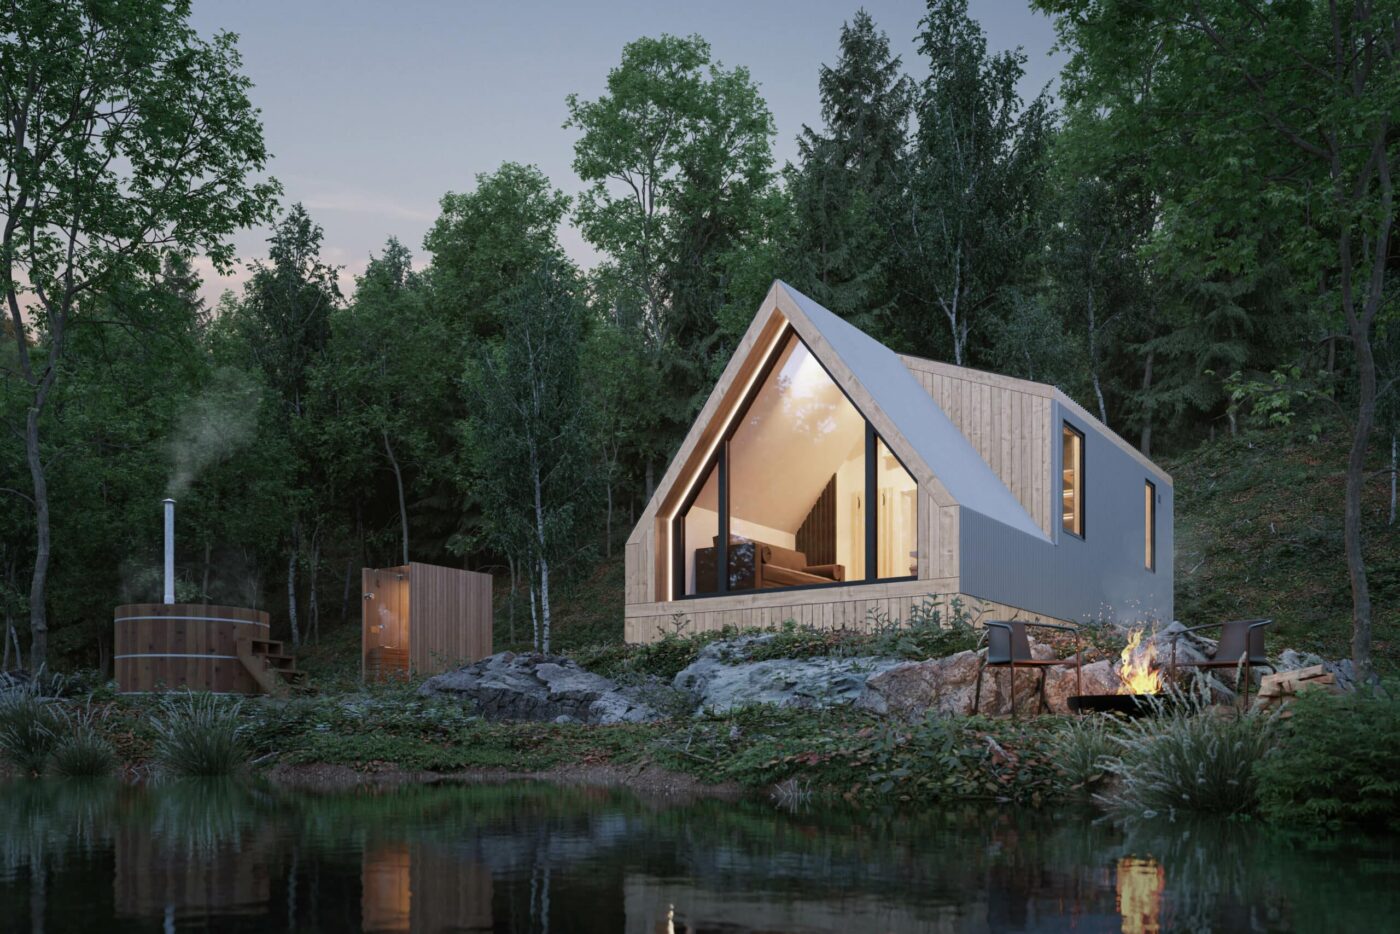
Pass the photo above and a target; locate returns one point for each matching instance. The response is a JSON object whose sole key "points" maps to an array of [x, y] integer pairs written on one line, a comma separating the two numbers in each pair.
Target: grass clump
{"points": [[1188, 760], [199, 735], [1082, 748], [81, 750], [29, 729], [1338, 761]]}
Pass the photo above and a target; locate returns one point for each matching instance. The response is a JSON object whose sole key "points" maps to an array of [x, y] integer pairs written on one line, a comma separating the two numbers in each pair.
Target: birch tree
{"points": [[526, 436]]}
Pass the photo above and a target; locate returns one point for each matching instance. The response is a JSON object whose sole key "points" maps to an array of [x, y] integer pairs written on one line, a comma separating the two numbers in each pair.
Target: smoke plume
{"points": [[215, 424]]}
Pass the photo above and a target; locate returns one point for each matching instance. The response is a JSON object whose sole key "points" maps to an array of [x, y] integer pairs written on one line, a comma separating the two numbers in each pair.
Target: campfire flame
{"points": [[1137, 666]]}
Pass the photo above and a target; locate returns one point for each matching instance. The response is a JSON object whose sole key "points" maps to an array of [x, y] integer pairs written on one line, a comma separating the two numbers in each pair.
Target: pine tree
{"points": [[847, 188]]}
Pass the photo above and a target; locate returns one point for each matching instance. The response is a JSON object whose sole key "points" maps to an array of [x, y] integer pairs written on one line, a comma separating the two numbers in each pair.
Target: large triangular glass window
{"points": [[786, 500]]}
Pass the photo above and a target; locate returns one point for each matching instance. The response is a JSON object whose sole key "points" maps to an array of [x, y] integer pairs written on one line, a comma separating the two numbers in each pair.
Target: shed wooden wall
{"points": [[450, 613]]}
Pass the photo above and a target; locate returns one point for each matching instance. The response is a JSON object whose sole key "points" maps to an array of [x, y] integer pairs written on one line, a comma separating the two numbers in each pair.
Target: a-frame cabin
{"points": [[838, 482]]}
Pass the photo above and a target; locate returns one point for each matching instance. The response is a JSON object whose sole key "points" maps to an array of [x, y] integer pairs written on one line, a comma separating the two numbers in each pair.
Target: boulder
{"points": [[723, 678], [508, 686], [948, 686]]}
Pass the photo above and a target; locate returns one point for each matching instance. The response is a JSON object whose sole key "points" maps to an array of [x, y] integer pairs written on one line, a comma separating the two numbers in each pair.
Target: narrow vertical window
{"points": [[1072, 464], [1149, 521]]}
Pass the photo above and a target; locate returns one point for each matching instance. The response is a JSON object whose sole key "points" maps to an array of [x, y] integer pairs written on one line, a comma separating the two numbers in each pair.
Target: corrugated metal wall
{"points": [[1101, 576]]}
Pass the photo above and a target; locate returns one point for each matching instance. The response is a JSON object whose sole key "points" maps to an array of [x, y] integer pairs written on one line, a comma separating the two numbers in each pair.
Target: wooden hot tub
{"points": [[175, 646]]}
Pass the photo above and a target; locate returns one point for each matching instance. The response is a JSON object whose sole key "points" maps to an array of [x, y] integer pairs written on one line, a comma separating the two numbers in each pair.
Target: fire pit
{"points": [[1141, 689], [1129, 705]]}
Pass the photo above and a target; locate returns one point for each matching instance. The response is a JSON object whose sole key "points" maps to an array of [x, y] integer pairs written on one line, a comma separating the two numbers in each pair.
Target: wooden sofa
{"points": [[757, 565]]}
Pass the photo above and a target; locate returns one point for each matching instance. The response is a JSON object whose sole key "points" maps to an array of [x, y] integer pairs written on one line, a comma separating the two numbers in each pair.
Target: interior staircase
{"points": [[274, 670]]}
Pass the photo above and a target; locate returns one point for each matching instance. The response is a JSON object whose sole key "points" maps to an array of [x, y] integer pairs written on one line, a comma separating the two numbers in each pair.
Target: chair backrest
{"points": [[1007, 642], [1241, 637]]}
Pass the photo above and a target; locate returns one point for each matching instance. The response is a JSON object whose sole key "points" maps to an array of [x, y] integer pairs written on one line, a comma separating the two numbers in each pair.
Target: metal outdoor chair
{"points": [[1241, 644], [1008, 646]]}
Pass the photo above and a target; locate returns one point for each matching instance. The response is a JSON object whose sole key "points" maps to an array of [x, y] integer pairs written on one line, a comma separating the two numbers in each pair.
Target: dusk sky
{"points": [[373, 111]]}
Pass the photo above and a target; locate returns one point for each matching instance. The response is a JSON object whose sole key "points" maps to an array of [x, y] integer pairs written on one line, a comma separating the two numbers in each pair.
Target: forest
{"points": [[1193, 237]]}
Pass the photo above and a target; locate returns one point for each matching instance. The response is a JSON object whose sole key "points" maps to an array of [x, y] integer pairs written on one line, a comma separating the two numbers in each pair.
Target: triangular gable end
{"points": [[882, 389], [906, 416]]}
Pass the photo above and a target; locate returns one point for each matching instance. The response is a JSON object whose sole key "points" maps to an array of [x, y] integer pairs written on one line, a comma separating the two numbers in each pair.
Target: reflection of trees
{"points": [[557, 858]]}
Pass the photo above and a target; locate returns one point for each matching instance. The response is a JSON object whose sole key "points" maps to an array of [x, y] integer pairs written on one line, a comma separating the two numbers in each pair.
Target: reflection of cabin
{"points": [[412, 887], [421, 619], [829, 479]]}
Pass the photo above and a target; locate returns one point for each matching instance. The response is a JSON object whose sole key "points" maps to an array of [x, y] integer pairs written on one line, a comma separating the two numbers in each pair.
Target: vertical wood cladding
{"points": [[816, 538]]}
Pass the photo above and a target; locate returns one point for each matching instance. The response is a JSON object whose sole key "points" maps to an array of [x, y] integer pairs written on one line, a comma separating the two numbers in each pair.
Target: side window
{"points": [[1149, 522], [1072, 480]]}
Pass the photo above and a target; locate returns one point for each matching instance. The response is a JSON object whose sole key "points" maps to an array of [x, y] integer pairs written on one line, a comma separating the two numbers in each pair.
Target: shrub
{"points": [[1081, 750], [1188, 760], [199, 735], [81, 751], [29, 727], [1338, 761]]}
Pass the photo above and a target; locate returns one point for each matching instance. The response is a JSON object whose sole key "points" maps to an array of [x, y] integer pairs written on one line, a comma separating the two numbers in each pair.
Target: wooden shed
{"points": [[421, 619], [832, 481]]}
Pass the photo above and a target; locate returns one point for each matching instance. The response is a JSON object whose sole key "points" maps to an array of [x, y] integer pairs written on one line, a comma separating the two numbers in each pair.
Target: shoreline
{"points": [[649, 781]]}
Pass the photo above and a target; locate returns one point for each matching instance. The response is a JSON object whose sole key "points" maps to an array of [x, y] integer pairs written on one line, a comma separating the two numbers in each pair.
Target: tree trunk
{"points": [[1392, 478], [510, 601], [403, 505], [204, 586], [651, 479], [292, 588], [542, 560], [345, 595], [534, 616], [1355, 482], [38, 611], [1145, 444], [313, 604], [607, 524]]}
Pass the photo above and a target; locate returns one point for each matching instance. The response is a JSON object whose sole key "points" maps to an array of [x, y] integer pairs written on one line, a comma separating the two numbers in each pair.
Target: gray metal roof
{"points": [[935, 439]]}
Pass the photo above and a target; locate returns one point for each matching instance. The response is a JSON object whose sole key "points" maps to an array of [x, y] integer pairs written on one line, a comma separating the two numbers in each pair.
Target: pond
{"points": [[532, 857]]}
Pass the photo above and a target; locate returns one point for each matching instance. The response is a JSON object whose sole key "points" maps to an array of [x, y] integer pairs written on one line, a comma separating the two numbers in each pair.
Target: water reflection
{"points": [[538, 858]]}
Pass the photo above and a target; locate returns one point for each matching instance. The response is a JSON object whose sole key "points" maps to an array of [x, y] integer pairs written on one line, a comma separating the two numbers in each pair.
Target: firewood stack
{"points": [[1280, 688]]}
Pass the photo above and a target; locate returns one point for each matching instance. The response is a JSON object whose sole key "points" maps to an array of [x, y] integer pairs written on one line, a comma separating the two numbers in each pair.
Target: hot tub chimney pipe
{"points": [[169, 551]]}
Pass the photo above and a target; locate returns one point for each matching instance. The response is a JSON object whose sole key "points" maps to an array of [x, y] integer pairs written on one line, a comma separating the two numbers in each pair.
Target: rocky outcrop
{"points": [[723, 677], [508, 686]]}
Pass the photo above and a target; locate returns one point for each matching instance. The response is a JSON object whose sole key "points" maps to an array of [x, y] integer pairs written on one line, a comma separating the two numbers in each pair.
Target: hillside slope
{"points": [[1259, 533]]}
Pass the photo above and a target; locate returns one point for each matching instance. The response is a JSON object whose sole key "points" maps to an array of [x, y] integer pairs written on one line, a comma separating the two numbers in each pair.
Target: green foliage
{"points": [[1082, 748], [199, 735], [1190, 760], [81, 750], [1336, 761], [29, 727]]}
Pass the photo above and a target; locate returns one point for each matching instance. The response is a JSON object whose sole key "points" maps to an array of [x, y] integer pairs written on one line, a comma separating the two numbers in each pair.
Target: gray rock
{"points": [[723, 678], [507, 686]]}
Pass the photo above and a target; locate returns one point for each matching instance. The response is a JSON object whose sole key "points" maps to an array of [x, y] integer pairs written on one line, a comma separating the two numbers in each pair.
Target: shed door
{"points": [[386, 623]]}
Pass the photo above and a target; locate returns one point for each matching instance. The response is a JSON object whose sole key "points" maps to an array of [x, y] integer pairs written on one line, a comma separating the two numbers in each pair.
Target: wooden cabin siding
{"points": [[1006, 420], [856, 606]]}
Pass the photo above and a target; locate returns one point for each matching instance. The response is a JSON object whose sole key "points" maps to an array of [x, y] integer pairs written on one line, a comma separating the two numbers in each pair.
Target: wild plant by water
{"points": [[29, 728], [1188, 759], [82, 751], [200, 735], [1081, 749]]}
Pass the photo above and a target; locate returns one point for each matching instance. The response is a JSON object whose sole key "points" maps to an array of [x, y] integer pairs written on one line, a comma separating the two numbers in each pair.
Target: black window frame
{"points": [[1151, 522], [1081, 482], [720, 460]]}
